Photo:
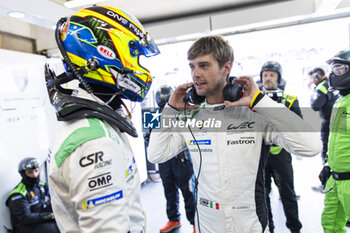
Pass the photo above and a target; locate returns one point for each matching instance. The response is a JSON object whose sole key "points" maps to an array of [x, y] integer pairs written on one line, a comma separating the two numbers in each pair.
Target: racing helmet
{"points": [[272, 66], [339, 78], [105, 45], [162, 95], [28, 163]]}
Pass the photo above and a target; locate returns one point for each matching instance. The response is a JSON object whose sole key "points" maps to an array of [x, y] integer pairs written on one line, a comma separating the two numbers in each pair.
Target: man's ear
{"points": [[227, 68]]}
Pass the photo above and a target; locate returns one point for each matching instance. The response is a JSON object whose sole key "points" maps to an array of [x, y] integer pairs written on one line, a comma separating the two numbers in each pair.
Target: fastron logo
{"points": [[244, 125], [240, 141], [106, 52]]}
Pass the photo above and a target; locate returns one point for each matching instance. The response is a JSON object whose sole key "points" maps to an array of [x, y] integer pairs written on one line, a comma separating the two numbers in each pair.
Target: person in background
{"points": [[336, 211], [29, 202], [176, 174], [93, 176], [279, 163], [229, 155], [322, 101]]}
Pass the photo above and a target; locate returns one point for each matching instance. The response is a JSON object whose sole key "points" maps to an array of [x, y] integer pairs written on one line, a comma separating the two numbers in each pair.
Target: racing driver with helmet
{"points": [[229, 155], [29, 202], [336, 209], [93, 177]]}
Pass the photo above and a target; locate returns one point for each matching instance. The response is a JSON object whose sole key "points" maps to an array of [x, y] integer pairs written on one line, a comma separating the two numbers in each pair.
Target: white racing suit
{"points": [[93, 179], [231, 187]]}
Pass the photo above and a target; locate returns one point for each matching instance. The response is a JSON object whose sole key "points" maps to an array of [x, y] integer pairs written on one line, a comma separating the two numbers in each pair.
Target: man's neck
{"points": [[215, 100]]}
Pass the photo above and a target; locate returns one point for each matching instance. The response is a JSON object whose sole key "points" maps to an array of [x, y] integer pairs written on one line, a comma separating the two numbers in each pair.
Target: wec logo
{"points": [[244, 125]]}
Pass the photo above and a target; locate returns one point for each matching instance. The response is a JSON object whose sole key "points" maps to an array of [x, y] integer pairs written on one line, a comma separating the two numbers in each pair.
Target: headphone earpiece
{"points": [[193, 97], [232, 91]]}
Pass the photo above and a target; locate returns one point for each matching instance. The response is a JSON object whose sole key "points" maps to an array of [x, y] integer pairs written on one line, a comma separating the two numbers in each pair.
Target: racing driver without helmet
{"points": [[93, 177]]}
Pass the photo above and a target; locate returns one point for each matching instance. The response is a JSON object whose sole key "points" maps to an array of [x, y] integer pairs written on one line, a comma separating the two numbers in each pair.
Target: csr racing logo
{"points": [[96, 159]]}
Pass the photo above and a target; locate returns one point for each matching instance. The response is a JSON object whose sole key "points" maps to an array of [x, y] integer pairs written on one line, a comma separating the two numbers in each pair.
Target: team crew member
{"points": [[336, 210], [93, 177], [228, 155], [29, 202], [279, 163], [322, 101]]}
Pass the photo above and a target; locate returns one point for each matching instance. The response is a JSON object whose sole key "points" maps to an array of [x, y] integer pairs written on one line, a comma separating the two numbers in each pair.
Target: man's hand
{"points": [[250, 88], [176, 99]]}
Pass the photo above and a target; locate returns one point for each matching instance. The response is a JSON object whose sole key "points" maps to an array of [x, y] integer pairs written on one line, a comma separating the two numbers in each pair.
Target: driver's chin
{"points": [[269, 86]]}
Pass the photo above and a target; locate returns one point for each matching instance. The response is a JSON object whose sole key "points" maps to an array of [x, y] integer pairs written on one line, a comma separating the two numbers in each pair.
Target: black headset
{"points": [[232, 92]]}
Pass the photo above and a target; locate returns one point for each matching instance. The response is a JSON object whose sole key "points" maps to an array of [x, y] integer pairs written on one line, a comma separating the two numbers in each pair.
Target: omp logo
{"points": [[100, 181], [106, 52], [200, 142], [240, 141], [91, 159], [244, 125], [102, 200]]}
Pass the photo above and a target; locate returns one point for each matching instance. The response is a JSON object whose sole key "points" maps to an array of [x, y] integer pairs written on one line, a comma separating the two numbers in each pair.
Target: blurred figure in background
{"points": [[322, 101], [176, 174], [279, 162], [29, 202], [336, 211]]}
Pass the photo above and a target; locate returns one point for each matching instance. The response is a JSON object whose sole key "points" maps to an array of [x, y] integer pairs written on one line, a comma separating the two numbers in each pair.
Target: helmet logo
{"points": [[106, 52]]}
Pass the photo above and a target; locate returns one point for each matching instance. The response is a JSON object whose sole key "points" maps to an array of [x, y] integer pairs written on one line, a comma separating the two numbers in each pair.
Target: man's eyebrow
{"points": [[200, 63]]}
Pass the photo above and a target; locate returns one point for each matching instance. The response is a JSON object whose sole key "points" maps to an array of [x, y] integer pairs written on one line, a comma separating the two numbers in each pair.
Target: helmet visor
{"points": [[31, 164], [340, 69], [146, 46]]}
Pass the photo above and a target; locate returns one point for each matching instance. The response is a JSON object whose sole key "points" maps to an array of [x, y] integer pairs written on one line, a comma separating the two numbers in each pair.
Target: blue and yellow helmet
{"points": [[116, 40]]}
